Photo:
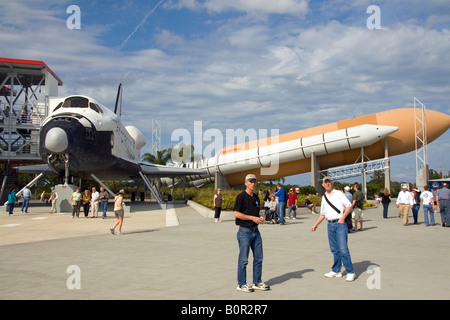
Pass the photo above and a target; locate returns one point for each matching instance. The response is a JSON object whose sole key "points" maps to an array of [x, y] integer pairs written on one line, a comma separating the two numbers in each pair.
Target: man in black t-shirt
{"points": [[246, 211]]}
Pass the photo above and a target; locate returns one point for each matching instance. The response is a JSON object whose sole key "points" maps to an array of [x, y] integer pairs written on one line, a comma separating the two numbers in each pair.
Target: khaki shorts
{"points": [[357, 214], [118, 213]]}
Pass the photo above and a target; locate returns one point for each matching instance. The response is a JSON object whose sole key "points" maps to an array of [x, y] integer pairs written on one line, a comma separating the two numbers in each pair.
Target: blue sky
{"points": [[287, 65]]}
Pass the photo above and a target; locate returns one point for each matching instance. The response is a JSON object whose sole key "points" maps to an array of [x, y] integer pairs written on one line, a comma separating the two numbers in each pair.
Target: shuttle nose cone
{"points": [[56, 140]]}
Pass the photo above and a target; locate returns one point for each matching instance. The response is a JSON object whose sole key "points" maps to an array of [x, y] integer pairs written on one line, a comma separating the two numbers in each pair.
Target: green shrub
{"points": [[206, 198], [305, 190]]}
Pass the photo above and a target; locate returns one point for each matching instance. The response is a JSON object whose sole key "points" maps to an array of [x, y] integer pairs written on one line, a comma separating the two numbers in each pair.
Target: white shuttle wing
{"points": [[151, 170], [155, 170]]}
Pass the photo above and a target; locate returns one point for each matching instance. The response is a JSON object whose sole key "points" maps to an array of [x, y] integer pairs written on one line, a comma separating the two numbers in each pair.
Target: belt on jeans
{"points": [[333, 221], [251, 228]]}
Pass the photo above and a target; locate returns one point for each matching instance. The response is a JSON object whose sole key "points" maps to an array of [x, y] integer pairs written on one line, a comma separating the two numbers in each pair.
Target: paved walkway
{"points": [[44, 255]]}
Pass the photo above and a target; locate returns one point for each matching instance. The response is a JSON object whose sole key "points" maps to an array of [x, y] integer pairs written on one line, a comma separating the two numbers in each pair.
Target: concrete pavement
{"points": [[52, 256]]}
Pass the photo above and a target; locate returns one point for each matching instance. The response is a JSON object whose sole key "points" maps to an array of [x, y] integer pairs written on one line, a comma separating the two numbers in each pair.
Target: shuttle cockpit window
{"points": [[76, 102], [95, 107], [58, 106], [79, 102]]}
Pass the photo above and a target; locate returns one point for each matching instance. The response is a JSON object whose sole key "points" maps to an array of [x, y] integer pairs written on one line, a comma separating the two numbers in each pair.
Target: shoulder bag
{"points": [[328, 201]]}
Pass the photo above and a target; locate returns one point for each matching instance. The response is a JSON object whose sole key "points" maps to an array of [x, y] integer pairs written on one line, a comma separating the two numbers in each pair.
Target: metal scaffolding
{"points": [[25, 90], [361, 168], [156, 137], [420, 128], [355, 170]]}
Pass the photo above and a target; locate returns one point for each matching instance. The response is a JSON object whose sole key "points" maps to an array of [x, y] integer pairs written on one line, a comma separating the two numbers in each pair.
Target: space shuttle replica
{"points": [[82, 138], [378, 135]]}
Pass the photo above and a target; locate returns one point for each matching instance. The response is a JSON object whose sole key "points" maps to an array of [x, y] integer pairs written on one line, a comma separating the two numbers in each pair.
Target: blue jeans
{"points": [[11, 208], [444, 208], [385, 210], [104, 205], [26, 201], [337, 237], [415, 212], [428, 208], [280, 211], [249, 238]]}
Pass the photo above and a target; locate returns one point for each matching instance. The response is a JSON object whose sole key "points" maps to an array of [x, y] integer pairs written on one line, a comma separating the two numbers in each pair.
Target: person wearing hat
{"points": [[246, 211], [52, 199], [118, 212], [335, 208], [404, 202]]}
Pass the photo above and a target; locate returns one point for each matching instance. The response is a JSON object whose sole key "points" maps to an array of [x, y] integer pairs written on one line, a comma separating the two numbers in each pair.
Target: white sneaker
{"points": [[333, 274], [260, 286], [244, 288], [350, 277]]}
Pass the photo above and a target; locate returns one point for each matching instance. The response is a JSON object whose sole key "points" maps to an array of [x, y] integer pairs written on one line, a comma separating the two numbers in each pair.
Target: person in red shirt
{"points": [[292, 203]]}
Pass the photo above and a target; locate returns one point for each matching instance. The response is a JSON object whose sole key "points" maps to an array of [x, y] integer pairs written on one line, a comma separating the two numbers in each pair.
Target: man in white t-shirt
{"points": [[405, 200], [94, 202], [26, 194], [335, 208], [427, 199]]}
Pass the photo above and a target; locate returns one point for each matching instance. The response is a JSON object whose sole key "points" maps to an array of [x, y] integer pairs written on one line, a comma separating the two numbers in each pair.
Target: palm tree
{"points": [[162, 157]]}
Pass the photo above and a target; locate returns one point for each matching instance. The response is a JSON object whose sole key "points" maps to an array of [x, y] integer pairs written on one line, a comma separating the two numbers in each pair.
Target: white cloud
{"points": [[167, 39], [253, 38], [294, 7], [291, 7]]}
